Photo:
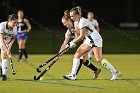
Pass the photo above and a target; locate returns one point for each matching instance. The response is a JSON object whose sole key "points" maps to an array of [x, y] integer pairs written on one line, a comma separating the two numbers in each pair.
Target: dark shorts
{"points": [[21, 36]]}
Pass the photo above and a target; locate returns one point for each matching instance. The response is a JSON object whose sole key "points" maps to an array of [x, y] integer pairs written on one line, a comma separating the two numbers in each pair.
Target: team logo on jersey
{"points": [[8, 35]]}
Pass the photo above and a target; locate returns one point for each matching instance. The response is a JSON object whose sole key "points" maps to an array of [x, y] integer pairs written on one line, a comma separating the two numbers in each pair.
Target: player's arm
{"points": [[2, 41], [75, 31], [97, 26], [67, 37], [28, 25], [80, 36], [12, 42]]}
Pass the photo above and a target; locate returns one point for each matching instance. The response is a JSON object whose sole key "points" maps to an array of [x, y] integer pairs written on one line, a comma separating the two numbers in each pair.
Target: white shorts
{"points": [[97, 42], [0, 46]]}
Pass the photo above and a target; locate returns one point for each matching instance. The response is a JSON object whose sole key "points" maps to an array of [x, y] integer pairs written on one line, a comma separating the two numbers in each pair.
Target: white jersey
{"points": [[8, 35], [95, 23], [91, 29]]}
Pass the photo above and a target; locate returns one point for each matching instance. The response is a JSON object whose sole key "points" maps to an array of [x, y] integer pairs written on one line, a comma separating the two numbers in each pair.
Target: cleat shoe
{"points": [[96, 73], [70, 77], [19, 60], [26, 60], [116, 76], [4, 77]]}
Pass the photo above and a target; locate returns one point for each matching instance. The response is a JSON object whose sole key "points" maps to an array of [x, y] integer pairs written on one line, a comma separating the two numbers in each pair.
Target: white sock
{"points": [[108, 66], [4, 66], [0, 69], [90, 54], [76, 62], [0, 65]]}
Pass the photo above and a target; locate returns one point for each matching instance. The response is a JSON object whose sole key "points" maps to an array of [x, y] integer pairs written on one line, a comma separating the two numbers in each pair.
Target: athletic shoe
{"points": [[70, 77], [96, 73], [19, 60], [116, 76], [26, 60], [0, 72], [4, 77]]}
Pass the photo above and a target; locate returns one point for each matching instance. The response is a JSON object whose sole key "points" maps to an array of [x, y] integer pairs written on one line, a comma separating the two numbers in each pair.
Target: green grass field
{"points": [[53, 81]]}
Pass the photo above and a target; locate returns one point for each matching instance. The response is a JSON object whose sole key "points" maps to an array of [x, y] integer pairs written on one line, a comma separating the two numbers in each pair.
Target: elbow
{"points": [[82, 37], [30, 28]]}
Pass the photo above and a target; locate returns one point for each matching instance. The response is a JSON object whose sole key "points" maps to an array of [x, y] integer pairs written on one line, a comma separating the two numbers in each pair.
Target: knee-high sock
{"points": [[4, 66], [81, 62], [0, 64], [108, 66], [90, 65], [25, 53], [20, 53], [76, 62], [90, 54], [0, 69]]}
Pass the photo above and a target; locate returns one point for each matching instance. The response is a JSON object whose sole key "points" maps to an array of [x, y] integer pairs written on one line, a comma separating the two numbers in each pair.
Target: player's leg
{"points": [[0, 62], [90, 54], [0, 69], [84, 48], [19, 40], [4, 63], [20, 44], [24, 50], [80, 65], [89, 65], [105, 63]]}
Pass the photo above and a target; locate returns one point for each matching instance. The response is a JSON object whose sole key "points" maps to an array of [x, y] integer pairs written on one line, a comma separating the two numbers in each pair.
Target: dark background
{"points": [[49, 12], [47, 32]]}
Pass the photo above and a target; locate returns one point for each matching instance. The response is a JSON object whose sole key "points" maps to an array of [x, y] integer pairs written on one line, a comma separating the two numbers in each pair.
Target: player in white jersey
{"points": [[90, 17], [92, 39], [8, 31], [24, 28], [72, 34]]}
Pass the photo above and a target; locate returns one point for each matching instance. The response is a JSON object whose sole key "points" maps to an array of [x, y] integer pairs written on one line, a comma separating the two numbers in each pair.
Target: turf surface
{"points": [[53, 81]]}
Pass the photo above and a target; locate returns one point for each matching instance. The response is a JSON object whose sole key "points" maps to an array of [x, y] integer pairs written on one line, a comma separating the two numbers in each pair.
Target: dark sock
{"points": [[20, 53], [81, 62], [90, 65], [25, 53]]}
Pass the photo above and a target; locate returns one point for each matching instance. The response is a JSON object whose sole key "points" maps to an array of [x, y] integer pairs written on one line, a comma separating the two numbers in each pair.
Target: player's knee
{"points": [[4, 54], [99, 59], [77, 55]]}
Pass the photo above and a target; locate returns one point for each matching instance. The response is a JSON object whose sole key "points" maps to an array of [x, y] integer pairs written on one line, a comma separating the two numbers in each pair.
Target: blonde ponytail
{"points": [[66, 15], [77, 10]]}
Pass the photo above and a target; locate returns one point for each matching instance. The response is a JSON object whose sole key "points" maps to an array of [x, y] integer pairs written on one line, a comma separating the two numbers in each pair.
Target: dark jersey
{"points": [[70, 30], [21, 26]]}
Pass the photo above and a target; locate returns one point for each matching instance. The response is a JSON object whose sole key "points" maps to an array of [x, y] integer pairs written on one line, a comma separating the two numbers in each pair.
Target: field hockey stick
{"points": [[11, 64], [20, 35], [57, 55], [37, 78]]}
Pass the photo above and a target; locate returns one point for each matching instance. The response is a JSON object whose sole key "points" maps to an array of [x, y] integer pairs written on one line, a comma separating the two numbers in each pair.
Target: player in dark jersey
{"points": [[24, 28]]}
